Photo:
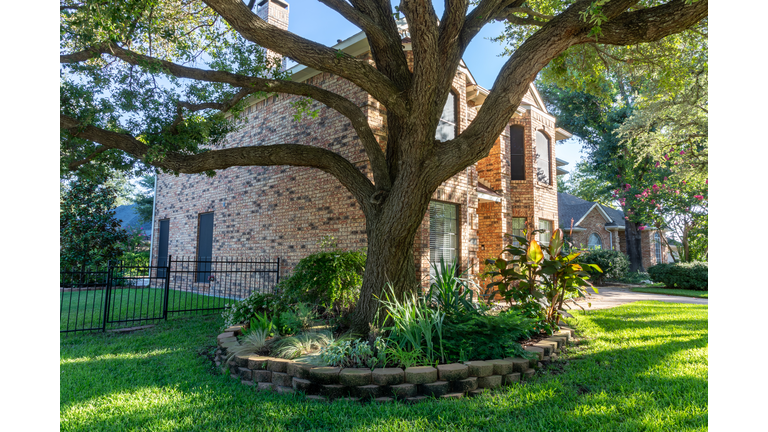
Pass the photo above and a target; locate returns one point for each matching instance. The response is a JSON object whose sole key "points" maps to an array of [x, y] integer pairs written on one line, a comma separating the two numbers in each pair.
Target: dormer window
{"points": [[446, 128]]}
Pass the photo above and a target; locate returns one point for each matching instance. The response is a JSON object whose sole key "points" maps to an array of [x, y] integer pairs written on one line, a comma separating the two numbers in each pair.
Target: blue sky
{"points": [[314, 21]]}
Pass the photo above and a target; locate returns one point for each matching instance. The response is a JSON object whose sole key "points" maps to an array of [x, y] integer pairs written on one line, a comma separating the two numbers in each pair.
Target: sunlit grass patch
{"points": [[641, 366]]}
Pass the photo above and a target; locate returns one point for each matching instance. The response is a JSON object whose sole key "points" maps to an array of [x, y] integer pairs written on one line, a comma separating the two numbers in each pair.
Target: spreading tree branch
{"points": [[252, 85], [310, 53], [280, 154]]}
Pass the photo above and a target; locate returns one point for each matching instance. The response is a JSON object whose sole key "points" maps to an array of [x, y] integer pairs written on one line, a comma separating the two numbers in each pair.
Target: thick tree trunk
{"points": [[634, 247]]}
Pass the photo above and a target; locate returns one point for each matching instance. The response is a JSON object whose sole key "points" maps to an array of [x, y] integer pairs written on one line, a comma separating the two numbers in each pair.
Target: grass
{"points": [[84, 309], [673, 291], [642, 367]]}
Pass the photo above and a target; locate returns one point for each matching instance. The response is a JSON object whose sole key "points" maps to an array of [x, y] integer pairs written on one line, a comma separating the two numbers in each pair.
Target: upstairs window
{"points": [[446, 128], [517, 152], [595, 242], [543, 168]]}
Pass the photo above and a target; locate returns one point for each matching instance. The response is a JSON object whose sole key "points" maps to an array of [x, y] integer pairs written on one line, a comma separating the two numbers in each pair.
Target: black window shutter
{"points": [[204, 246]]}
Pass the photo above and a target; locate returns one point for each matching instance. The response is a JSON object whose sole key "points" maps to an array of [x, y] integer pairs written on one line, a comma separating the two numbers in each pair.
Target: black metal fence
{"points": [[126, 295]]}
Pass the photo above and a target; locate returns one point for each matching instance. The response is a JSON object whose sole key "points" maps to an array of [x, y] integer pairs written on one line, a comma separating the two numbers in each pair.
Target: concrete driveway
{"points": [[611, 296]]}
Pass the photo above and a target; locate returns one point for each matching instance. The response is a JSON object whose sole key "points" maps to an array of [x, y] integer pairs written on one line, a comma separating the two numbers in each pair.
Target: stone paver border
{"points": [[414, 384]]}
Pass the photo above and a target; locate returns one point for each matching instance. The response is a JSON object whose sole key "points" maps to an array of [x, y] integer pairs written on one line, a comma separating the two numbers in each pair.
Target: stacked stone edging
{"points": [[413, 384]]}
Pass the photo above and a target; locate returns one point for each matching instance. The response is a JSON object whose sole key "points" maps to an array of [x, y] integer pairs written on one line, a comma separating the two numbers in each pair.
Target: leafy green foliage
{"points": [[692, 275], [330, 279], [250, 307], [145, 198], [484, 337], [357, 353], [540, 280], [146, 101], [253, 342], [89, 234], [614, 264]]}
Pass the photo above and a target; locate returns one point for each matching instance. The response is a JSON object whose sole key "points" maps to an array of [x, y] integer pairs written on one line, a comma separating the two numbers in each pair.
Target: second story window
{"points": [[517, 152], [543, 168], [446, 128]]}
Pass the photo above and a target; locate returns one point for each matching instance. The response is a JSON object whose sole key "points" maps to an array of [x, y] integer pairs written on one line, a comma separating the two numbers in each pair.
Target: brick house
{"points": [[284, 211], [592, 225]]}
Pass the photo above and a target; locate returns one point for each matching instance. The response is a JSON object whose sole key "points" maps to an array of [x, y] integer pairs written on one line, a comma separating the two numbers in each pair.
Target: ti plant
{"points": [[539, 278]]}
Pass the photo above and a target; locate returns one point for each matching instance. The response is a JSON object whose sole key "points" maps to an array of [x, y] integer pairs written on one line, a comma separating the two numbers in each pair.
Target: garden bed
{"points": [[412, 384]]}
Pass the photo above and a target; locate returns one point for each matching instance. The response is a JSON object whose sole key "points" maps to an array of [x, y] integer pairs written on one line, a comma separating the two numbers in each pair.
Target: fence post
{"points": [[167, 287], [277, 279], [106, 296]]}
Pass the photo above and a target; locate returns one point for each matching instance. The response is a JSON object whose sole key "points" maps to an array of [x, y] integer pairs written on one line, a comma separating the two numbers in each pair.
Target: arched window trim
{"points": [[456, 116], [549, 156], [599, 239]]}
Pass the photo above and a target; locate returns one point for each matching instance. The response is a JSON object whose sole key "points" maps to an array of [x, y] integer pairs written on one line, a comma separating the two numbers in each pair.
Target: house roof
{"points": [[572, 207], [129, 218]]}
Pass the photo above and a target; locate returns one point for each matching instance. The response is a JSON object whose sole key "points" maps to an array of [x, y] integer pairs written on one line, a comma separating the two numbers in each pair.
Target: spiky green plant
{"points": [[414, 324], [252, 343]]}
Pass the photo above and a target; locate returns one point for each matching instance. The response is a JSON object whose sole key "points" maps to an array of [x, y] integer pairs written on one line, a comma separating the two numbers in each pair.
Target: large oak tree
{"points": [[149, 80]]}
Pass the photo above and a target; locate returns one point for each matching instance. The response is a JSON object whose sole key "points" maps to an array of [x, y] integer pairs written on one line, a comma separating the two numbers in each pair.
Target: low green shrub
{"points": [[449, 292], [693, 275], [614, 264], [355, 353], [243, 311], [635, 278], [329, 279], [483, 337]]}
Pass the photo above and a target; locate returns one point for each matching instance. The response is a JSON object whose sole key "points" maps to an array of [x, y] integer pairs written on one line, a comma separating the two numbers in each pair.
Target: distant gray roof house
{"points": [[572, 207], [129, 218]]}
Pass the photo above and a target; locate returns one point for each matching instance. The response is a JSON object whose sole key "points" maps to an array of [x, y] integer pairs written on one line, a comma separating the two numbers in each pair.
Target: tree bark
{"points": [[634, 247]]}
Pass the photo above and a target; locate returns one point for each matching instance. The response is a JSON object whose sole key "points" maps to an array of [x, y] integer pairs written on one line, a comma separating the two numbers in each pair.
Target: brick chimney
{"points": [[274, 12]]}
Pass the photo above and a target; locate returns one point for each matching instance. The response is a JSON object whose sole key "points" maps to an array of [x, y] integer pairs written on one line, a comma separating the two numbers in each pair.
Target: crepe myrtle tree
{"points": [[152, 81]]}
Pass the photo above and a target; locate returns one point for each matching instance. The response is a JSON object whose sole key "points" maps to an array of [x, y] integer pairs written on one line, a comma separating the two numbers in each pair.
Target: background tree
{"points": [[89, 233], [587, 185], [144, 197], [154, 79]]}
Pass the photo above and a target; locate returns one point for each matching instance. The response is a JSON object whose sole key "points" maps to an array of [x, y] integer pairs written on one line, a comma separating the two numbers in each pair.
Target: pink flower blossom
{"points": [[655, 188], [698, 197], [682, 152], [657, 164], [641, 227], [666, 156], [627, 187], [706, 181]]}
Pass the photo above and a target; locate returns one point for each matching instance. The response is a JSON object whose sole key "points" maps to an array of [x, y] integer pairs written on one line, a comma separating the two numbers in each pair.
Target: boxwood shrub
{"points": [[613, 263], [693, 275]]}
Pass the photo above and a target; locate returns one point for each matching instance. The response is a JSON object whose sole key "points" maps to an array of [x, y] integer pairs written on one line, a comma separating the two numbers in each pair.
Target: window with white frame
{"points": [[543, 167], [595, 242], [545, 236], [518, 225], [446, 128], [443, 233], [657, 245]]}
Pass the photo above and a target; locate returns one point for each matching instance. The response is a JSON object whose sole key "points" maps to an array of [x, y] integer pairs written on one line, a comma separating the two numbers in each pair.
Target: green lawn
{"points": [[642, 367], [84, 309], [673, 291]]}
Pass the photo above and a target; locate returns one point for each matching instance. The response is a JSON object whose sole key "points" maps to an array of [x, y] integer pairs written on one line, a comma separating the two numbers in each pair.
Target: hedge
{"points": [[614, 264], [693, 275]]}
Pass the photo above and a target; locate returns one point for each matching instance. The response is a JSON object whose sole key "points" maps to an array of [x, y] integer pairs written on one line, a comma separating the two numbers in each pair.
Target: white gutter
{"points": [[488, 197]]}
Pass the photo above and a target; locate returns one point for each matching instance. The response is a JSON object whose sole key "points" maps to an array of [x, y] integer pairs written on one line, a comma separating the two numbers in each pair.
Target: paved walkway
{"points": [[614, 296]]}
